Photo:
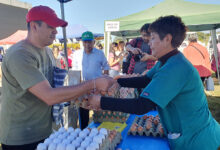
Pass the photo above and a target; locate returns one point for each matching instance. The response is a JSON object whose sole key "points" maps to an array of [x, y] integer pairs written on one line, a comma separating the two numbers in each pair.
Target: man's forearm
{"points": [[62, 94]]}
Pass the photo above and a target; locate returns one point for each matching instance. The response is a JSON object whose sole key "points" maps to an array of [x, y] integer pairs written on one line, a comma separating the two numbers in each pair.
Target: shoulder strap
{"points": [[198, 51]]}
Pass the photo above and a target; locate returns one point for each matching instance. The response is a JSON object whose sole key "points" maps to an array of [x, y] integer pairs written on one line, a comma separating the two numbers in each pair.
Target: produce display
{"points": [[76, 139], [147, 126]]}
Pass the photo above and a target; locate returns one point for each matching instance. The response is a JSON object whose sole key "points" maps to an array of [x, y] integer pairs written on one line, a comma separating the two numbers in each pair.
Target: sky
{"points": [[93, 13]]}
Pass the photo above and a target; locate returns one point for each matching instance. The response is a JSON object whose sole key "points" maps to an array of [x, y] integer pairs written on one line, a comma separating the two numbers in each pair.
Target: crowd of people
{"points": [[169, 81]]}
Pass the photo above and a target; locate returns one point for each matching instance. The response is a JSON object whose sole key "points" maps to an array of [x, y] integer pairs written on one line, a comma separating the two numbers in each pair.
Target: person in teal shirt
{"points": [[174, 87]]}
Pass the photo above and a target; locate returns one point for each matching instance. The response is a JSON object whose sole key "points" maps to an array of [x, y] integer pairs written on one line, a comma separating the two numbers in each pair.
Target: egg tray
{"points": [[110, 116], [64, 139], [147, 126], [114, 116]]}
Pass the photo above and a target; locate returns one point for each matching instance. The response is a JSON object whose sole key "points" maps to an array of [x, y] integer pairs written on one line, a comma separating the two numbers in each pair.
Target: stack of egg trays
{"points": [[141, 128], [111, 116], [115, 141]]}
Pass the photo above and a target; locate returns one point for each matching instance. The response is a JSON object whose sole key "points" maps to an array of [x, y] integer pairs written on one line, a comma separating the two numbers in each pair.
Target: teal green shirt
{"points": [[24, 118], [182, 105]]}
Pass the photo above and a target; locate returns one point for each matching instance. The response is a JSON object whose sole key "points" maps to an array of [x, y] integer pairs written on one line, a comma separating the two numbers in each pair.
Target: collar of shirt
{"points": [[164, 58]]}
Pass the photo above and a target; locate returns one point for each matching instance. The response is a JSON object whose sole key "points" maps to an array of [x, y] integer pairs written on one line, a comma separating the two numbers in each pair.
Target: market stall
{"points": [[198, 17]]}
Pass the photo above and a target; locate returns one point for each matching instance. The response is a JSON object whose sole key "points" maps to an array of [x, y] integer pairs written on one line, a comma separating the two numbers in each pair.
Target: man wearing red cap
{"points": [[27, 78]]}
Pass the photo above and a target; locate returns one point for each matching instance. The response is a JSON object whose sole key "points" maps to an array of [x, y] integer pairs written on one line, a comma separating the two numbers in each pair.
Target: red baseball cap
{"points": [[45, 14]]}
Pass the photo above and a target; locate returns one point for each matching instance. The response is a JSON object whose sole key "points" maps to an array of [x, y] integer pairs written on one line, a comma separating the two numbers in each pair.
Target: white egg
{"points": [[94, 130], [48, 141], [57, 133], [86, 131], [65, 134], [102, 136], [61, 146], [42, 146], [74, 134], [90, 148], [76, 144], [81, 148], [70, 147], [52, 146], [84, 144], [61, 136], [62, 129], [77, 130], [57, 141], [70, 129], [82, 134], [52, 136], [89, 139], [71, 138], [97, 139], [66, 141], [103, 131], [79, 139], [95, 145]]}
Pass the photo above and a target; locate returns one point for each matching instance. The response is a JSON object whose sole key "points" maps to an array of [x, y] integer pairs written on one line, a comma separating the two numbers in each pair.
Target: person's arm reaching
{"points": [[51, 96], [137, 106], [135, 82]]}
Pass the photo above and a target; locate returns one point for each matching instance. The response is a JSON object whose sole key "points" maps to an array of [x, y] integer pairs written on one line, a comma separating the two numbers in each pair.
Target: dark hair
{"points": [[114, 44], [29, 27], [145, 28], [172, 25], [121, 42], [192, 37]]}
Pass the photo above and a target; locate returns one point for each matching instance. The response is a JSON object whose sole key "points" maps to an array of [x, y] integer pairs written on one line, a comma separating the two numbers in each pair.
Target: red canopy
{"points": [[14, 38]]}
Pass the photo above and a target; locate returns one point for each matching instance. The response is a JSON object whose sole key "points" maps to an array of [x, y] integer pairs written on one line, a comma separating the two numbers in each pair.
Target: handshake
{"points": [[103, 86]]}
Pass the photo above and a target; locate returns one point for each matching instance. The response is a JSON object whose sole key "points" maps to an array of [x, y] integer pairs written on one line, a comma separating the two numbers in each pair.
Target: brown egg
{"points": [[140, 128]]}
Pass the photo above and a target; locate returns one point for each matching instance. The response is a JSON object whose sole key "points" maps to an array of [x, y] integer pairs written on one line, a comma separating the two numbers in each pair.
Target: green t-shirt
{"points": [[182, 105], [24, 118]]}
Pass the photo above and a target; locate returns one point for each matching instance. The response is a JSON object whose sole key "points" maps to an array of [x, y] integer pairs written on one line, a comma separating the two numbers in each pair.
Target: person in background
{"points": [[121, 46], [115, 57], [180, 100], [27, 93], [213, 64], [93, 64], [56, 56], [198, 55], [98, 45], [137, 47]]}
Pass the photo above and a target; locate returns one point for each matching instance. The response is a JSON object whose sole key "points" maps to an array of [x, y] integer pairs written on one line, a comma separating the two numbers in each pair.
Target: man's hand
{"points": [[147, 57], [94, 102], [102, 84], [112, 90]]}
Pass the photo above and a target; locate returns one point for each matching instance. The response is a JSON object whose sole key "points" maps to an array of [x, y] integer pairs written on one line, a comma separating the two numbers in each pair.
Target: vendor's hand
{"points": [[147, 57], [104, 83], [94, 102]]}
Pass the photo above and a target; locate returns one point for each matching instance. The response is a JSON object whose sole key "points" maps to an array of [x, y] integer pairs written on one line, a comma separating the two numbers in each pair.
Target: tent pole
{"points": [[64, 36], [213, 33], [107, 43]]}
